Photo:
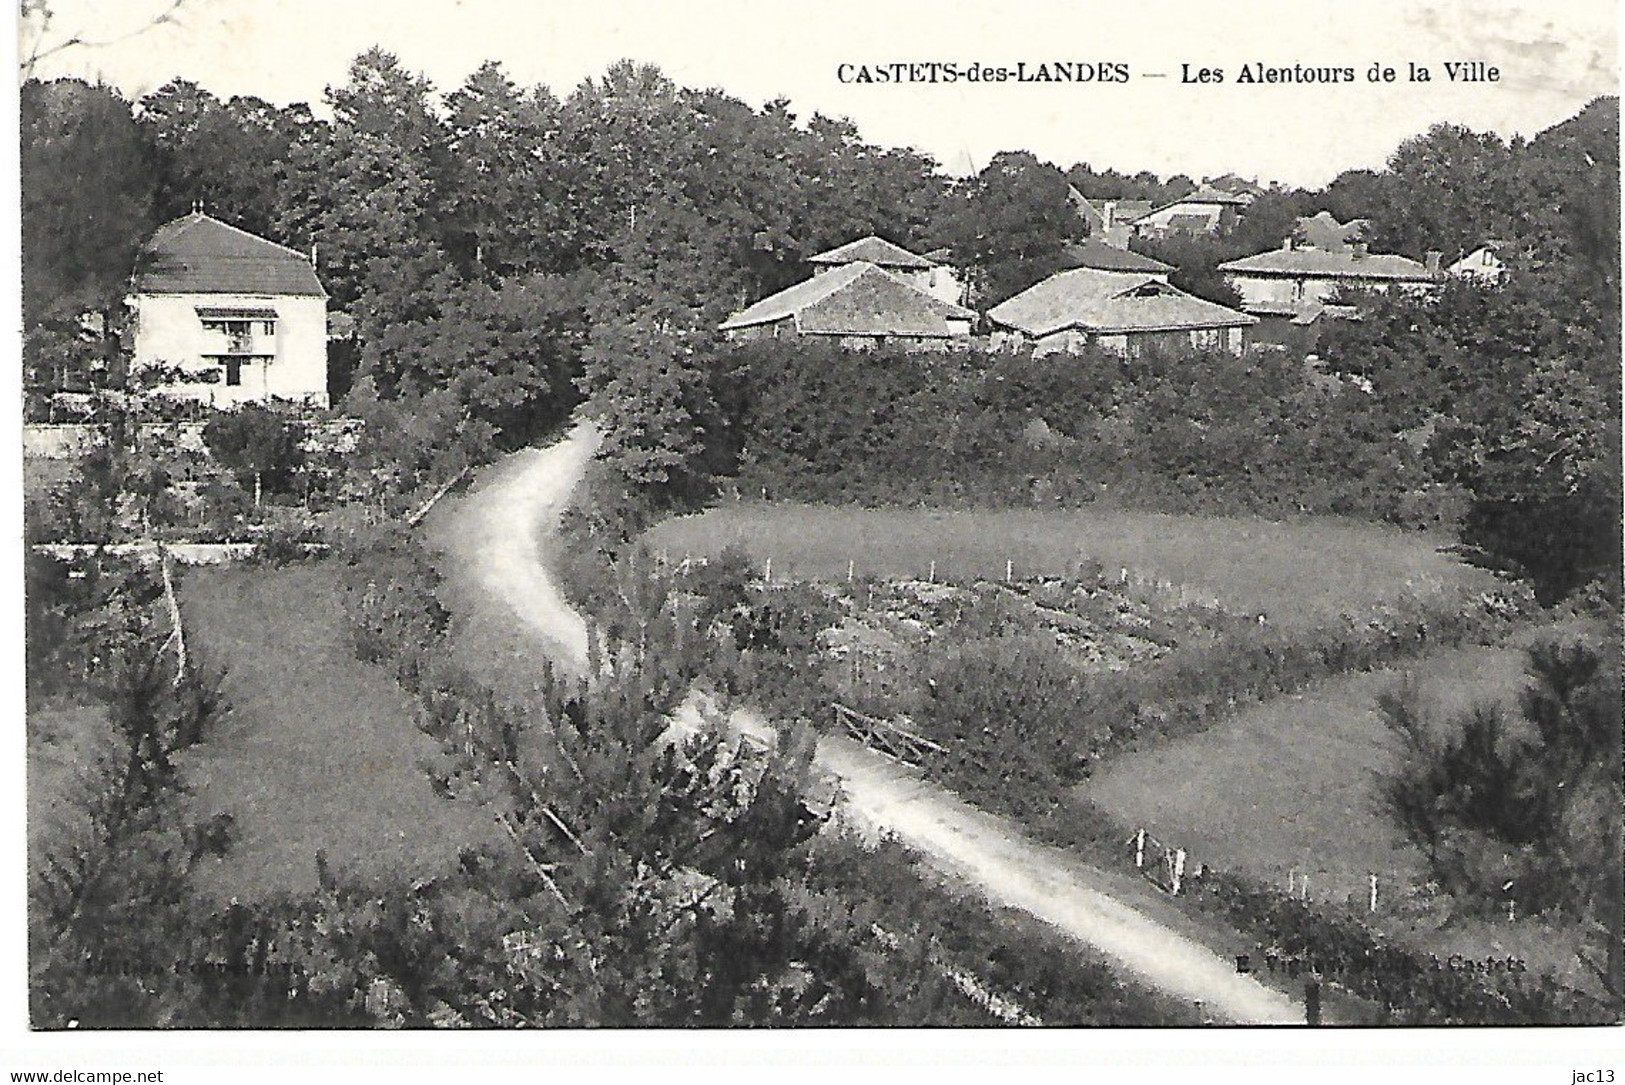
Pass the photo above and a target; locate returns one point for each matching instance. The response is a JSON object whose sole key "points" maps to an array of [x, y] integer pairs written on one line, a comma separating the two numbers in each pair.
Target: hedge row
{"points": [[1197, 432]]}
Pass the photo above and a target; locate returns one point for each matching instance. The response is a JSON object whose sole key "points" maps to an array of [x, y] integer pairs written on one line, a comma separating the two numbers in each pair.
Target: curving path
{"points": [[500, 543]]}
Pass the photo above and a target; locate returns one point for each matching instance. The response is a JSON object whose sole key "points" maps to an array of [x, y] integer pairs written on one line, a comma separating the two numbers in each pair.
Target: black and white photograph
{"points": [[941, 524]]}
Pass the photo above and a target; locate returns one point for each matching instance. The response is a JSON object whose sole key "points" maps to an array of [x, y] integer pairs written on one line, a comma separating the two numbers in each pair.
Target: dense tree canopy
{"points": [[1012, 224]]}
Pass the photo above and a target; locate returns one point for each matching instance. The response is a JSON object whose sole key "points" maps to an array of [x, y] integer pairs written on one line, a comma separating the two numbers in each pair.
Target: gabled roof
{"points": [[202, 255], [1084, 205], [873, 250], [1103, 257], [1317, 263], [1105, 303], [855, 299]]}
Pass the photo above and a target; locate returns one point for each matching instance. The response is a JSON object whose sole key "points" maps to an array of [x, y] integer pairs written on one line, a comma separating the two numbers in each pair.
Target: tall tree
{"points": [[1014, 221], [87, 197], [505, 213]]}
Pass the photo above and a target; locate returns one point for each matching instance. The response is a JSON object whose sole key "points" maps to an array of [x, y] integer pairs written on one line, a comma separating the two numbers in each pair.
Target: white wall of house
{"points": [[289, 363], [1275, 292], [1072, 340]]}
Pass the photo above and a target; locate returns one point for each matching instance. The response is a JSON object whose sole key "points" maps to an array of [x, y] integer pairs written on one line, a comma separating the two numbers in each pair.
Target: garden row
{"points": [[1059, 651]]}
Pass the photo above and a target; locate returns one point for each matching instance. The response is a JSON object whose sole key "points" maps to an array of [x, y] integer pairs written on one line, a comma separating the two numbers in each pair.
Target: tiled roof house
{"points": [[1203, 211], [858, 304], [242, 318], [1122, 313], [1292, 279]]}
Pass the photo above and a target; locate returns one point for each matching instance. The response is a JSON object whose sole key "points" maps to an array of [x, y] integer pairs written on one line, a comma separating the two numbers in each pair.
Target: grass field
{"points": [[319, 750], [1300, 571], [1291, 786]]}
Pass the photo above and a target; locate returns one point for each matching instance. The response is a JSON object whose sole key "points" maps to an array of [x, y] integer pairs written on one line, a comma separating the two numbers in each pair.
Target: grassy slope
{"points": [[1291, 786], [1300, 571], [319, 750]]}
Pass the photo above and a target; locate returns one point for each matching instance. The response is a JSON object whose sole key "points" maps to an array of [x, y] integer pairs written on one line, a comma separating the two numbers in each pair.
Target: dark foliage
{"points": [[1203, 432], [1491, 802]]}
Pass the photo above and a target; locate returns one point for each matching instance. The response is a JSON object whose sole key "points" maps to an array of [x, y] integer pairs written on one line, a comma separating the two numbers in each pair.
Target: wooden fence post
{"points": [[767, 574], [1139, 850], [849, 567], [1179, 870], [932, 575], [1009, 567], [1373, 892]]}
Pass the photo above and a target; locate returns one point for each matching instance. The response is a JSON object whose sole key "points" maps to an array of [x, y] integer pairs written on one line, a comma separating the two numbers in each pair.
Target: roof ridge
{"points": [[828, 255], [202, 215]]}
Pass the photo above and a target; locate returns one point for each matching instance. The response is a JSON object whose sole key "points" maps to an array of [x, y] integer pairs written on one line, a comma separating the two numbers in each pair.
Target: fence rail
{"points": [[886, 737]]}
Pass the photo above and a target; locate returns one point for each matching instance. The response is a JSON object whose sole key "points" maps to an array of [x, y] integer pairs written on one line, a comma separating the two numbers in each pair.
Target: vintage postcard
{"points": [[967, 525]]}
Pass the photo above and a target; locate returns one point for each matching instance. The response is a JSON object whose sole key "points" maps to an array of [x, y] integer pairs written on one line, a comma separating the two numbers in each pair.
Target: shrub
{"points": [[1491, 803]]}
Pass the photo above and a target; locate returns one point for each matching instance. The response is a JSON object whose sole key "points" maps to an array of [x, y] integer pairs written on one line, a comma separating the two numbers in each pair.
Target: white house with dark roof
{"points": [[1122, 313], [857, 304], [243, 318], [1293, 280], [1109, 219], [1207, 210]]}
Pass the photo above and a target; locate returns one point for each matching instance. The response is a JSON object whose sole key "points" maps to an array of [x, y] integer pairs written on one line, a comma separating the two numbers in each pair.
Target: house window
{"points": [[239, 334], [245, 331]]}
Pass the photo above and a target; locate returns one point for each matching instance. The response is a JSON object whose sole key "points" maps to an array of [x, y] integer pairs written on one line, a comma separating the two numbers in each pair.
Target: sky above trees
{"points": [[1552, 62]]}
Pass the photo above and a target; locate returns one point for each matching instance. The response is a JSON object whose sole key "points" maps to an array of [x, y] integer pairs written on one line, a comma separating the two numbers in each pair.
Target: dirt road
{"points": [[501, 544]]}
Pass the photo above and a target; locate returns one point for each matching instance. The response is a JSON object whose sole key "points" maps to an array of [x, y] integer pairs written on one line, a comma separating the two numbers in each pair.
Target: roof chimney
{"points": [[1434, 256], [1358, 249], [313, 254]]}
